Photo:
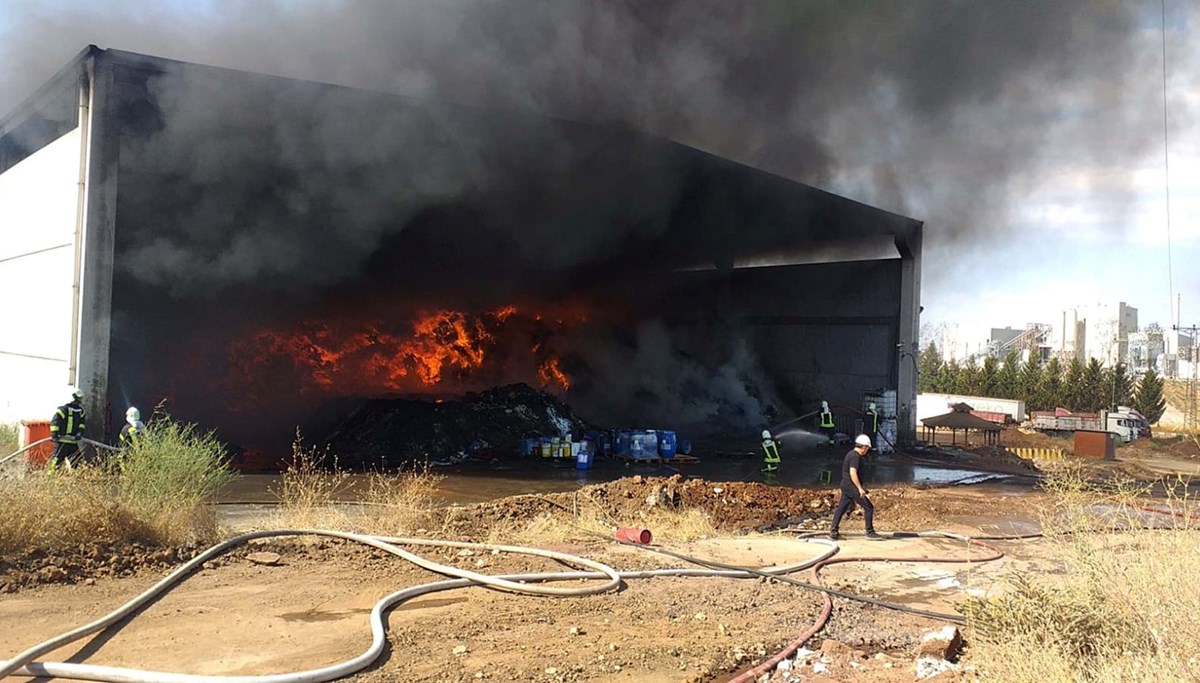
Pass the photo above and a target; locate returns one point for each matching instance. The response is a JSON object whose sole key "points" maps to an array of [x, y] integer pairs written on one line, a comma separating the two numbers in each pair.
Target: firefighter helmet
{"points": [[766, 433], [133, 414]]}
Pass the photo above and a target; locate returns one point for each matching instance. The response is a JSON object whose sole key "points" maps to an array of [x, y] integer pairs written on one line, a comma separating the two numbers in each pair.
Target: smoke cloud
{"points": [[948, 111]]}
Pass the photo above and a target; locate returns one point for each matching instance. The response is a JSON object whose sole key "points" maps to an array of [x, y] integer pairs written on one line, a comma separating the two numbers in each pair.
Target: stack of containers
{"points": [[885, 403]]}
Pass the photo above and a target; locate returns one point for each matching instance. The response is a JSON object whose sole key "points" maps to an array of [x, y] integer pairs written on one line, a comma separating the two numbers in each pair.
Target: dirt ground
{"points": [[237, 616]]}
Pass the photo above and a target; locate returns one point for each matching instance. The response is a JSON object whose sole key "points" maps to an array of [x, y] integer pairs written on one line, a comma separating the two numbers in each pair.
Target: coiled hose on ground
{"points": [[607, 579]]}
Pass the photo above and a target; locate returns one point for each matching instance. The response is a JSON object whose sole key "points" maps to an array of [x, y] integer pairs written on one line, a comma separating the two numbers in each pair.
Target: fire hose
{"points": [[39, 442], [24, 663]]}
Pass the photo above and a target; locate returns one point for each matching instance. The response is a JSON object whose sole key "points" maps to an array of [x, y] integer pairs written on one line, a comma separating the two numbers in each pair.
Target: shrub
{"points": [[170, 479]]}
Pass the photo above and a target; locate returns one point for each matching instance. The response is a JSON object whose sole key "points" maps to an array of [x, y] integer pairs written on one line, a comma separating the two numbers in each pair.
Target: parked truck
{"points": [[1126, 422], [999, 410]]}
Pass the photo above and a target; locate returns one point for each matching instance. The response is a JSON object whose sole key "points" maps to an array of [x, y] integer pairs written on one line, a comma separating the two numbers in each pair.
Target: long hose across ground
{"points": [[827, 610], [609, 579]]}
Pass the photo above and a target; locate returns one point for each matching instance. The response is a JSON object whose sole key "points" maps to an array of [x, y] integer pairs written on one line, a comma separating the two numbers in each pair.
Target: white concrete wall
{"points": [[38, 208]]}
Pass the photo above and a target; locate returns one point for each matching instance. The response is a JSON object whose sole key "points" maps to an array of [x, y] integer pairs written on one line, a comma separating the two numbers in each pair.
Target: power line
{"points": [[1167, 161]]}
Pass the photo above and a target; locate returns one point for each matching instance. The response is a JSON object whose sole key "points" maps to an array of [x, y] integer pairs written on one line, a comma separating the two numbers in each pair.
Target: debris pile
{"points": [[391, 432]]}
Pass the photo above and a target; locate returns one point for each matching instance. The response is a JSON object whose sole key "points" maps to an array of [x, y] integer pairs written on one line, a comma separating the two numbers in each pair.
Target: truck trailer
{"points": [[999, 410], [1126, 422]]}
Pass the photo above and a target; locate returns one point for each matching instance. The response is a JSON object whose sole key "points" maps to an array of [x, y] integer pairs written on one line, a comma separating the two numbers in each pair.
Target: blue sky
{"points": [[1041, 180]]}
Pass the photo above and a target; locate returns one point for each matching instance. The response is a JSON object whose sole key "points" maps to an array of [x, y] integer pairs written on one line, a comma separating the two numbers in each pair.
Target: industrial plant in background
{"points": [[264, 253]]}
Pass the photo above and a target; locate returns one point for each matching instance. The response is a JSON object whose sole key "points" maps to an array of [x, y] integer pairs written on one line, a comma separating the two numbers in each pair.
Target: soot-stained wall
{"points": [[278, 246]]}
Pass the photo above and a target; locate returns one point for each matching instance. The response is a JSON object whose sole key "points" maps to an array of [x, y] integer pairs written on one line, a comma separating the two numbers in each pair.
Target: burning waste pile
{"points": [[492, 423]]}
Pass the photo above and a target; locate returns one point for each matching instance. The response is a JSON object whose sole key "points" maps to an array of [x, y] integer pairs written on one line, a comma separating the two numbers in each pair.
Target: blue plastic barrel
{"points": [[636, 449], [528, 446], [624, 442], [583, 461], [684, 447], [666, 443], [650, 443]]}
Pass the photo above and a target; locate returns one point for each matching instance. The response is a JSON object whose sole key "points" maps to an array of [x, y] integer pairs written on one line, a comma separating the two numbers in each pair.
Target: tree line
{"points": [[1077, 386]]}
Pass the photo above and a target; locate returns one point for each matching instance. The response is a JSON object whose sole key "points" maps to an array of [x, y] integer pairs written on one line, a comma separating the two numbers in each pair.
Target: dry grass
{"points": [[400, 503], [49, 512], [585, 520], [8, 439], [1126, 608], [315, 493], [310, 489], [159, 491]]}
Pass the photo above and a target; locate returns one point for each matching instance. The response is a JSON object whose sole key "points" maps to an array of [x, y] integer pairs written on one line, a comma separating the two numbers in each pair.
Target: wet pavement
{"points": [[475, 481]]}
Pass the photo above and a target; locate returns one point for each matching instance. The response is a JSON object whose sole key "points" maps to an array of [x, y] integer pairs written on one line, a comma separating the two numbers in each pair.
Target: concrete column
{"points": [[100, 213], [908, 342]]}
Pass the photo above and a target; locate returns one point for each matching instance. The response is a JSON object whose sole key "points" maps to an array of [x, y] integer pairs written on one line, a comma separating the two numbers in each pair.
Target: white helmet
{"points": [[133, 414], [766, 433], [862, 440], [824, 405], [77, 394], [871, 407]]}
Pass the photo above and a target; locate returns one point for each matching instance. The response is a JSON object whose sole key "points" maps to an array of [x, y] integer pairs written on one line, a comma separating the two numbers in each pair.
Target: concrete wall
{"points": [[826, 331], [39, 198]]}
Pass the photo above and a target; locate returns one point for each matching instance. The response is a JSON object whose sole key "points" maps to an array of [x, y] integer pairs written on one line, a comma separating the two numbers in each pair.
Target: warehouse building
{"points": [[256, 249]]}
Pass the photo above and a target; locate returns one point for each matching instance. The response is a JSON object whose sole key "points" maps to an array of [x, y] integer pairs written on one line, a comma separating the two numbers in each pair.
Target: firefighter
{"points": [[66, 430], [825, 421], [770, 452], [871, 423], [133, 430]]}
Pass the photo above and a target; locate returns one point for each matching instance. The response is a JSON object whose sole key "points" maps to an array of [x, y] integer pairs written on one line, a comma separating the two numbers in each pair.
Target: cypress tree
{"points": [[1029, 383], [1148, 399], [1051, 391], [1120, 387], [989, 378], [1095, 388], [1006, 378], [929, 370], [1074, 394], [952, 378]]}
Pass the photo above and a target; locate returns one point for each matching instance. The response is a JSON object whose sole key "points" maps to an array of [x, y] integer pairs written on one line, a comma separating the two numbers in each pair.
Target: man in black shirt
{"points": [[853, 490]]}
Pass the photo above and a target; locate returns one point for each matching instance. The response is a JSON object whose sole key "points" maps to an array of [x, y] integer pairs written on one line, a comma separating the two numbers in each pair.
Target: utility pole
{"points": [[1191, 418]]}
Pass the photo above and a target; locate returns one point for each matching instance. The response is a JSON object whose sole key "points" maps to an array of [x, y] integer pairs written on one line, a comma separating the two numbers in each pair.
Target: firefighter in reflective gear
{"points": [[871, 423], [134, 428], [66, 429], [825, 421], [770, 452]]}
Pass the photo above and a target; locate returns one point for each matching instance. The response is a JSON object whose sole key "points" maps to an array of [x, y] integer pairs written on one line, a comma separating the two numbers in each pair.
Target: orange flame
{"points": [[364, 358], [550, 373]]}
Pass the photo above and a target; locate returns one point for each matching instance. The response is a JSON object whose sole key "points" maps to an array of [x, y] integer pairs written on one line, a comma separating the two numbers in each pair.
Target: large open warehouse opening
{"points": [[266, 254]]}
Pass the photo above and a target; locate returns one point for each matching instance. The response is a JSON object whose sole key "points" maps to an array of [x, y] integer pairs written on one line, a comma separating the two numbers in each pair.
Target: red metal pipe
{"points": [[633, 535]]}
